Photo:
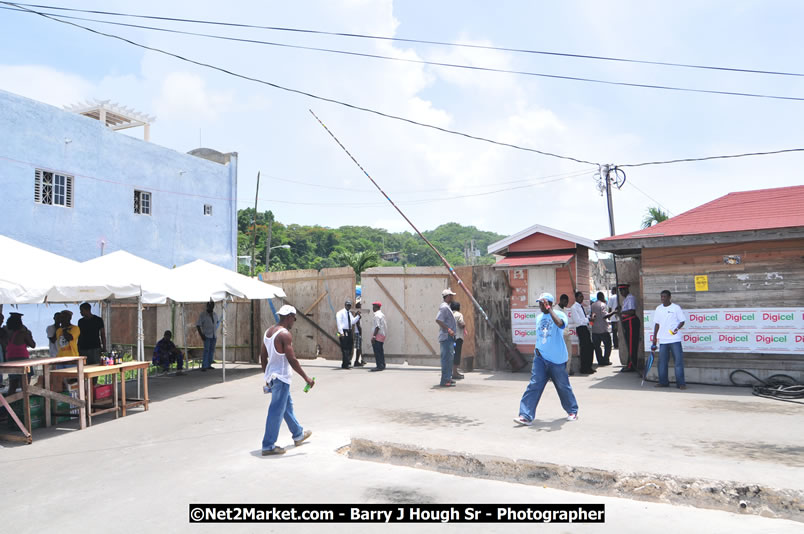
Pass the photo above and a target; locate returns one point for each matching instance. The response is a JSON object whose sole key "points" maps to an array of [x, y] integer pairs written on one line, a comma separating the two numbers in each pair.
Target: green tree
{"points": [[359, 261], [653, 215]]}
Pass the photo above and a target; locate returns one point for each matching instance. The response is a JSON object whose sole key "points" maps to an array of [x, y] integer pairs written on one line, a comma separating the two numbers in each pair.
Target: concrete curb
{"points": [[701, 493]]}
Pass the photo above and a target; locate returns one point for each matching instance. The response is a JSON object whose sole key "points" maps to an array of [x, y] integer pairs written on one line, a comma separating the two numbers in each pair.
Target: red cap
{"points": [[377, 303]]}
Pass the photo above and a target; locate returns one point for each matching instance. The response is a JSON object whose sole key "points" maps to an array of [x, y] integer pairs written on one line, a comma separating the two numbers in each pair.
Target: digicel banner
{"points": [[523, 327], [761, 330]]}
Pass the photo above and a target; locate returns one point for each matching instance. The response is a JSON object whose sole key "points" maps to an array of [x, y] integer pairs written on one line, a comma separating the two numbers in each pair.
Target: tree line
{"points": [[318, 247]]}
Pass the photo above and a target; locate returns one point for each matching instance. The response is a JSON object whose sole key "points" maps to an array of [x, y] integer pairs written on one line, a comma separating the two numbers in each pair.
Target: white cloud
{"points": [[46, 84], [186, 96]]}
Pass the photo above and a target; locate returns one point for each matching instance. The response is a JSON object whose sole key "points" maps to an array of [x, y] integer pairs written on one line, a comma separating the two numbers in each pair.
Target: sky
{"points": [[436, 177]]}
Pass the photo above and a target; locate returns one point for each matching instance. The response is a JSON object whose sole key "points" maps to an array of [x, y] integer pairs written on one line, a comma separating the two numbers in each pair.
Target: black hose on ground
{"points": [[776, 387]]}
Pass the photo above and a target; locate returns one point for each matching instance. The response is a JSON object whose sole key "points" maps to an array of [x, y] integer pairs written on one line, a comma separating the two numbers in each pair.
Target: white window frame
{"points": [[208, 210], [143, 202], [53, 188]]}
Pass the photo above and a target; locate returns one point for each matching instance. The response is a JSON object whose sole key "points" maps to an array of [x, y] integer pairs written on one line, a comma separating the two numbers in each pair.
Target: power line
{"points": [[387, 115], [707, 158], [434, 63], [310, 95], [422, 41]]}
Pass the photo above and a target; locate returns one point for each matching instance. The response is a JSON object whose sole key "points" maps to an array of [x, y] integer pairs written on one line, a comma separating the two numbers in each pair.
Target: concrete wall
{"points": [[107, 167]]}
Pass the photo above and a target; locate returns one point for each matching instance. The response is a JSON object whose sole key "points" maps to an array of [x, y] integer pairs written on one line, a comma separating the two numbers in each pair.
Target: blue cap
{"points": [[547, 296]]}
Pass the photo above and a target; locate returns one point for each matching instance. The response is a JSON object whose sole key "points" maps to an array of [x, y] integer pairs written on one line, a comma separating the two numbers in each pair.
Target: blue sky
{"points": [[424, 170]]}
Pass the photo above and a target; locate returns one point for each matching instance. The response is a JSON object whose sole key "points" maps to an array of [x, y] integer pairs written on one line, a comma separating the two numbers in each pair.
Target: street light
{"points": [[268, 254]]}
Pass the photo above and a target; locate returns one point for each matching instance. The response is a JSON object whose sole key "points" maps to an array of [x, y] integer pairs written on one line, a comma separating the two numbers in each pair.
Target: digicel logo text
{"points": [[733, 339], [737, 317], [697, 339], [524, 315], [702, 317], [799, 338], [526, 332], [776, 317], [770, 339]]}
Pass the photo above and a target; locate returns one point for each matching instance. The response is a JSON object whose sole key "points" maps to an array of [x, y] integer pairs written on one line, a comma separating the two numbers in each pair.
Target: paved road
{"points": [[200, 443]]}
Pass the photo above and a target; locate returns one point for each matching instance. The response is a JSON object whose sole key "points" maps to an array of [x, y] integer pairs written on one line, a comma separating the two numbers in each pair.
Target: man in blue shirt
{"points": [[549, 362]]}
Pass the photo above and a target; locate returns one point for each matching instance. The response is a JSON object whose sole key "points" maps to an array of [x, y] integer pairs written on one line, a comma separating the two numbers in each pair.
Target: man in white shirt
{"points": [[631, 326], [346, 321], [563, 307], [613, 318], [581, 324], [668, 320], [378, 335]]}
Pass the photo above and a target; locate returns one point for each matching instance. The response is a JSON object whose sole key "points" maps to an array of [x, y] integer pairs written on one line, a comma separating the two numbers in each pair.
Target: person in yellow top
{"points": [[67, 335]]}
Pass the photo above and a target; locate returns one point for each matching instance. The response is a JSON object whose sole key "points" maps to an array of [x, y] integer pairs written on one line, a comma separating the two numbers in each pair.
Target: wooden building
{"points": [[541, 259], [736, 266]]}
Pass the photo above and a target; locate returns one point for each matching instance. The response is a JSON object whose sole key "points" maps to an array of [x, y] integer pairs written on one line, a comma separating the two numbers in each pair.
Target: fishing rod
{"points": [[512, 355]]}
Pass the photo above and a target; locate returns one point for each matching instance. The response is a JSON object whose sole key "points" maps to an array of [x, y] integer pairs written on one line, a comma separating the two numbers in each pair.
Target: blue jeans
{"points": [[209, 352], [541, 372], [281, 407], [447, 355], [664, 361]]}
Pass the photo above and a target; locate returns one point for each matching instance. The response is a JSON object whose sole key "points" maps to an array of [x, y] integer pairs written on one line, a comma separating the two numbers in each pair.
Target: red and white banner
{"points": [[523, 327], [760, 330]]}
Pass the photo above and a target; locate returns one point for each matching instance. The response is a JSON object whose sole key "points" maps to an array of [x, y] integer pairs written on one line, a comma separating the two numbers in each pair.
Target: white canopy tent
{"points": [[192, 281], [29, 275]]}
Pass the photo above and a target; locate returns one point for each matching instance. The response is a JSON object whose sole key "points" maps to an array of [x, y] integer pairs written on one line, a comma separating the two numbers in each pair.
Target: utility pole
{"points": [[254, 240], [268, 246], [604, 172]]}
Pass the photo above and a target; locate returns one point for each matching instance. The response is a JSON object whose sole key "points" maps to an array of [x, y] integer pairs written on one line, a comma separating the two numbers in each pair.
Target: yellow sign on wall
{"points": [[701, 282]]}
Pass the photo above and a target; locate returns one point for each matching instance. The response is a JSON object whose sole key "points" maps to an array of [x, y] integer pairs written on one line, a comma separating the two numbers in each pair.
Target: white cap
{"points": [[447, 292], [287, 309]]}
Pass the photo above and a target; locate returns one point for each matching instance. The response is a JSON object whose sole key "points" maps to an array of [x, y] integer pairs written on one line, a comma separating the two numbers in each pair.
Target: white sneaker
{"points": [[521, 420], [572, 417]]}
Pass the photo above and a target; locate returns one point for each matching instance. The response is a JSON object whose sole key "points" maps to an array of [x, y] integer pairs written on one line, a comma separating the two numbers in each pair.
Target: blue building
{"points": [[73, 186]]}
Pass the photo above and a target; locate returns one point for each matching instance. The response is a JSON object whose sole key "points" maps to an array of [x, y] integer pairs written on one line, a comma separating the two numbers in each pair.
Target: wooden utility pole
{"points": [[254, 240]]}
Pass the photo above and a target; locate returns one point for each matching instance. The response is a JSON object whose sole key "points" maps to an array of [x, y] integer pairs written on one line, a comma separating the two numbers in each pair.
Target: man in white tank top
{"points": [[278, 361]]}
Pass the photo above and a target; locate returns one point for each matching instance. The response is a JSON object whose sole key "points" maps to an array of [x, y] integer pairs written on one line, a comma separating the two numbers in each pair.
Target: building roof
{"points": [[762, 209], [501, 245], [532, 260]]}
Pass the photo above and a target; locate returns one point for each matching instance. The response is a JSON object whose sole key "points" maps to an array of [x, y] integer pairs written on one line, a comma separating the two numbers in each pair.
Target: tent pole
{"points": [[223, 327], [140, 347], [184, 336]]}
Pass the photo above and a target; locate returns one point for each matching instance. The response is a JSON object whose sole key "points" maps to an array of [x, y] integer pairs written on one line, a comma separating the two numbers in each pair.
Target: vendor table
{"points": [[21, 367], [118, 370]]}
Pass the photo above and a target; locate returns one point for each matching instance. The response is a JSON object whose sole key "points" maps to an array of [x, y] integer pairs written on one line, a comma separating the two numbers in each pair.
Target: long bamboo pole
{"points": [[512, 355]]}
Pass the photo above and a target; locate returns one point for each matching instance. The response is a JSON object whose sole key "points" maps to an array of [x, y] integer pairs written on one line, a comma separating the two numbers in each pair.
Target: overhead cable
{"points": [[421, 41], [308, 94], [437, 63]]}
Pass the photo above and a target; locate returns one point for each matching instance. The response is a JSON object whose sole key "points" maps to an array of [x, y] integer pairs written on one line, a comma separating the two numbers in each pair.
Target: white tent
{"points": [[26, 271], [198, 281]]}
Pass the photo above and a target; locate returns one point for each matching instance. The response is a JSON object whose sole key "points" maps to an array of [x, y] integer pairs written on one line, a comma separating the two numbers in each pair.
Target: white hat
{"points": [[447, 292], [287, 309]]}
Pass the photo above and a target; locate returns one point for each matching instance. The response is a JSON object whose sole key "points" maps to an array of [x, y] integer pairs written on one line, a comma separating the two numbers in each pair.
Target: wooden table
{"points": [[21, 367], [118, 370]]}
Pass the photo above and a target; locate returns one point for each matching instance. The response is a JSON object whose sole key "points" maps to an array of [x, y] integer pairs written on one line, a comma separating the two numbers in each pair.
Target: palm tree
{"points": [[654, 216], [359, 261]]}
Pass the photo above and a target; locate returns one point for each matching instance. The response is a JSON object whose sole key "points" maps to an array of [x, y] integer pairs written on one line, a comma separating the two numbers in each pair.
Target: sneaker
{"points": [[682, 387], [305, 435], [572, 417], [522, 420], [661, 385], [272, 452], [457, 376], [449, 384]]}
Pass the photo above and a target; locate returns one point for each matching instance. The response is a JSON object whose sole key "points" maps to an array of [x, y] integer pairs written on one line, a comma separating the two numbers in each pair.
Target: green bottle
{"points": [[307, 386]]}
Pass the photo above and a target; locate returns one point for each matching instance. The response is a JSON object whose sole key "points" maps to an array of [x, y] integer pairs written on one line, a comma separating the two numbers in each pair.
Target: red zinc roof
{"points": [[764, 209], [533, 259]]}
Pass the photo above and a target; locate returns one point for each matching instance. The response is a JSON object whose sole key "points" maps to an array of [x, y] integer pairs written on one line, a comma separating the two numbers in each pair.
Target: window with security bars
{"points": [[207, 209], [142, 202], [53, 189]]}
